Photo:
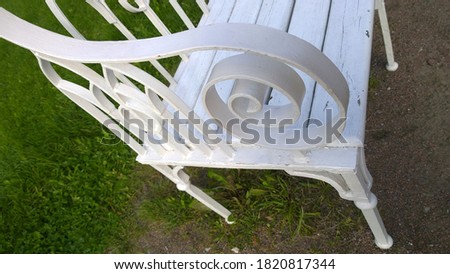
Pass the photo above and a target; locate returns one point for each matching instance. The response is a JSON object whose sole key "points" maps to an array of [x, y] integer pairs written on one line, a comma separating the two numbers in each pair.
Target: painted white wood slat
{"points": [[348, 44], [190, 75], [243, 12], [272, 13], [263, 12], [309, 22]]}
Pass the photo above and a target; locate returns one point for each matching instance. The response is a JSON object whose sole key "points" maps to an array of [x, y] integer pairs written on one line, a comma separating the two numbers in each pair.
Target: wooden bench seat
{"points": [[307, 59], [346, 40]]}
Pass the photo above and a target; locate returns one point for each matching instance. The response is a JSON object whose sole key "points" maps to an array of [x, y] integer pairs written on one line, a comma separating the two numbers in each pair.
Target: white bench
{"points": [[307, 61]]}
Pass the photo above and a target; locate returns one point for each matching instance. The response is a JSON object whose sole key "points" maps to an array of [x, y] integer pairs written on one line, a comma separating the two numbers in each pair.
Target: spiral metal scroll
{"points": [[254, 75]]}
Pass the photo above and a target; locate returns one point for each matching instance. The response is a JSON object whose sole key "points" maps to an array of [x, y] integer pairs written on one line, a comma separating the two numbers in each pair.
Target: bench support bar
{"points": [[355, 185], [391, 65], [373, 218]]}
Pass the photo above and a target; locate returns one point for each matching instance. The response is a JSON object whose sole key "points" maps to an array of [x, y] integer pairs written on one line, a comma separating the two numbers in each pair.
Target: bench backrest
{"points": [[141, 6], [130, 101]]}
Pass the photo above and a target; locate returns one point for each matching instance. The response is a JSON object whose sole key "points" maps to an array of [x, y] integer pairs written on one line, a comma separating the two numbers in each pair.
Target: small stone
{"points": [[207, 249], [426, 209], [431, 62], [235, 250]]}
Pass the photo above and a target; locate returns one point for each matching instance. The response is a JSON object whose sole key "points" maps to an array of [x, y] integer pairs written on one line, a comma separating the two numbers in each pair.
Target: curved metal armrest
{"points": [[256, 39]]}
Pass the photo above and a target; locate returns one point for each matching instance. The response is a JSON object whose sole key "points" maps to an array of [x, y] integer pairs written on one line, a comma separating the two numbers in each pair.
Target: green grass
{"points": [[60, 190], [63, 191], [263, 204]]}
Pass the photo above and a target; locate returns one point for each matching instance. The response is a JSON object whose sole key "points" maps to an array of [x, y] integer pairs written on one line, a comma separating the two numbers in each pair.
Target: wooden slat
{"points": [[271, 13], [276, 14], [190, 75], [243, 12], [309, 22], [348, 44]]}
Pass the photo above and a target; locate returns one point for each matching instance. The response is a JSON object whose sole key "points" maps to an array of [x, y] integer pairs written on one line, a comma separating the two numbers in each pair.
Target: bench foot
{"points": [[392, 65], [386, 245], [373, 218], [360, 182]]}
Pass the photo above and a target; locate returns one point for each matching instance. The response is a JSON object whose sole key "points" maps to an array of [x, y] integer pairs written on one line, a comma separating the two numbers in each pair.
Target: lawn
{"points": [[60, 190]]}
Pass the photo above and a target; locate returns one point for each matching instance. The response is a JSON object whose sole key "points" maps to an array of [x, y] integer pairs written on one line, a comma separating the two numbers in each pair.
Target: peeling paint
{"points": [[326, 105]]}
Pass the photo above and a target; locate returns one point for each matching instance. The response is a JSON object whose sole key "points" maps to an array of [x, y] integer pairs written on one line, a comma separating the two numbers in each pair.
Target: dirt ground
{"points": [[408, 127], [407, 146]]}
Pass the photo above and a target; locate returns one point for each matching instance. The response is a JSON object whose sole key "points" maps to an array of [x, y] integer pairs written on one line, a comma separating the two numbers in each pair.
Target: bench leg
{"points": [[391, 65], [181, 179], [359, 183], [373, 218], [355, 186]]}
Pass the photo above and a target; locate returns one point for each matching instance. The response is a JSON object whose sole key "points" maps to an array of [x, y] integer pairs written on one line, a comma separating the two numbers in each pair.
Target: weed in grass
{"points": [[374, 83]]}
